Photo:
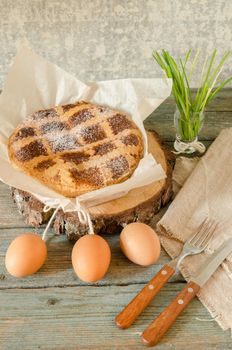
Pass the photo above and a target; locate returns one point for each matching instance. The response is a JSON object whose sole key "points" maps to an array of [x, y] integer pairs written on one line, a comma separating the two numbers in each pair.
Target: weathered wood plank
{"points": [[58, 272], [83, 318], [222, 102]]}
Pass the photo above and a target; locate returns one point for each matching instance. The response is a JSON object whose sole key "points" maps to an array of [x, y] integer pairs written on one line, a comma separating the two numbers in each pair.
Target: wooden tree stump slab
{"points": [[140, 204]]}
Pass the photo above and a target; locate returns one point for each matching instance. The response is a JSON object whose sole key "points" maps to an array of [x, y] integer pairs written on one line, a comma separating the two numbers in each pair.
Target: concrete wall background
{"points": [[106, 39]]}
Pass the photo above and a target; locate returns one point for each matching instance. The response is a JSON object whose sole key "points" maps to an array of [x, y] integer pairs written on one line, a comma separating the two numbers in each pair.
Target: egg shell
{"points": [[140, 243], [91, 258], [25, 255]]}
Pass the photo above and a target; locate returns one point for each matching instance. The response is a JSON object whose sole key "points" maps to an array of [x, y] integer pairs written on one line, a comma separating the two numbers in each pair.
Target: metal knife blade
{"points": [[215, 260]]}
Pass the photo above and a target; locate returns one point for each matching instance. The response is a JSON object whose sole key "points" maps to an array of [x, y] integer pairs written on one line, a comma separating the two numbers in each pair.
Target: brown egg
{"points": [[25, 255], [140, 243], [91, 258]]}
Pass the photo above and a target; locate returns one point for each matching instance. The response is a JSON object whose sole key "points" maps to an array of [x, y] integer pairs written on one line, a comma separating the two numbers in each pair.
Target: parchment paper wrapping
{"points": [[206, 191], [33, 84]]}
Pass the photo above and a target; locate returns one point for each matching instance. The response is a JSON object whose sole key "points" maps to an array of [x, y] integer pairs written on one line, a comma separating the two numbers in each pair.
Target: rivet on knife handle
{"points": [[129, 314], [154, 332]]}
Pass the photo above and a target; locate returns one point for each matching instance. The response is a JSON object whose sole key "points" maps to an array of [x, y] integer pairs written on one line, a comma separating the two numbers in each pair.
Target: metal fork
{"points": [[194, 245], [197, 243]]}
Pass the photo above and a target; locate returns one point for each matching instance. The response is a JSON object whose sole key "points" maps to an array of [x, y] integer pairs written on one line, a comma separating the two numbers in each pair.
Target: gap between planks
{"points": [[139, 283]]}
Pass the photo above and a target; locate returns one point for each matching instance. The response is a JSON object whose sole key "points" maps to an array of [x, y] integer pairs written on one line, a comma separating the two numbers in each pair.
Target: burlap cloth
{"points": [[206, 191]]}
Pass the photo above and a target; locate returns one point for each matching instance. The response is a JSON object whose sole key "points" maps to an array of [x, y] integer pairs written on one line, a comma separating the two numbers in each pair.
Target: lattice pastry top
{"points": [[77, 148]]}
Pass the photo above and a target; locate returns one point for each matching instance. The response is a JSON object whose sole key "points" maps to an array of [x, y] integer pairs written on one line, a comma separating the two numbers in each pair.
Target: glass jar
{"points": [[187, 130]]}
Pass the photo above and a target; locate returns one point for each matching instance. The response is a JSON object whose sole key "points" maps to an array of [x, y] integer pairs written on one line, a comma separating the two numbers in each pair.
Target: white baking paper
{"points": [[34, 83]]}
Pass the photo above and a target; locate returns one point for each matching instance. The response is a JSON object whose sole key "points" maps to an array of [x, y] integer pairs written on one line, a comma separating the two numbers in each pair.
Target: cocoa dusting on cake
{"points": [[119, 123], [63, 143], [69, 106], [118, 166], [44, 114], [88, 176], [104, 148], [81, 117], [45, 164], [25, 132], [92, 133], [53, 127], [77, 147], [30, 151], [75, 157], [130, 140]]}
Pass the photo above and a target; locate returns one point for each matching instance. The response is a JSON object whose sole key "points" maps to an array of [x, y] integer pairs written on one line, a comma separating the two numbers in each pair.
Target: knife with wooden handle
{"points": [[129, 314], [155, 331]]}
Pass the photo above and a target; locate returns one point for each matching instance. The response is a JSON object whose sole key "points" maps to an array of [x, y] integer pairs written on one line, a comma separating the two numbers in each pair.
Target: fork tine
{"points": [[201, 232], [209, 235], [204, 232]]}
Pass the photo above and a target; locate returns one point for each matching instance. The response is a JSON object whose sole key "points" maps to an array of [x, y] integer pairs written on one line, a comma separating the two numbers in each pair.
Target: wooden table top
{"points": [[54, 310]]}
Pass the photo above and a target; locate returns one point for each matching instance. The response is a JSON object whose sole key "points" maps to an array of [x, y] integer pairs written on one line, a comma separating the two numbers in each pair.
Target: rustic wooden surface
{"points": [[54, 310]]}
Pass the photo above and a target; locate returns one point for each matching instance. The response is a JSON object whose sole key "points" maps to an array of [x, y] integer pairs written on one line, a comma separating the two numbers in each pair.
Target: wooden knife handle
{"points": [[154, 332], [129, 314]]}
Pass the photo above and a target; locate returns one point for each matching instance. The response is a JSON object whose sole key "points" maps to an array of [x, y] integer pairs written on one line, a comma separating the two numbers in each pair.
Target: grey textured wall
{"points": [[105, 39]]}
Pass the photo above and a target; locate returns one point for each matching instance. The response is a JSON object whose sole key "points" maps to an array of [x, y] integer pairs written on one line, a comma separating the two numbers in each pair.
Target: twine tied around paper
{"points": [[83, 216], [197, 145]]}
